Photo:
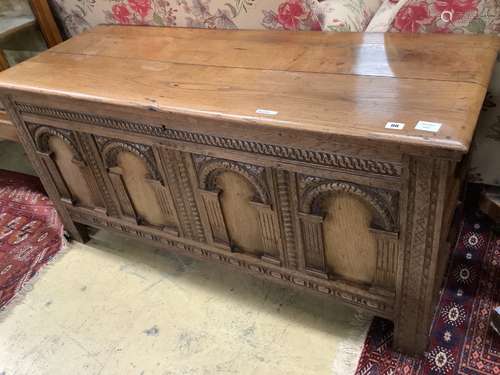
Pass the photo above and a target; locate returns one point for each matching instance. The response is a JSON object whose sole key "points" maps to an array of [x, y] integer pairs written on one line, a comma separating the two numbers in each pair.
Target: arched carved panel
{"points": [[72, 171], [133, 172], [42, 135], [315, 193], [210, 168], [238, 205], [74, 180], [111, 149], [349, 231]]}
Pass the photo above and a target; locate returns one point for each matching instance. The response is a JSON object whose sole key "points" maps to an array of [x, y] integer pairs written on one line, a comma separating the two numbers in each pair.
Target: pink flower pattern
{"points": [[412, 17], [457, 16], [448, 16], [142, 7]]}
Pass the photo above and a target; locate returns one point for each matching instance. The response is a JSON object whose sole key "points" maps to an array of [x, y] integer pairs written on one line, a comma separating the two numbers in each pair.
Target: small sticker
{"points": [[266, 112], [395, 125], [428, 126]]}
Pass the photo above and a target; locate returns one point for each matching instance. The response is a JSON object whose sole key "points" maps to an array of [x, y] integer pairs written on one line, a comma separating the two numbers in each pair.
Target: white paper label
{"points": [[266, 112], [395, 125], [428, 126]]}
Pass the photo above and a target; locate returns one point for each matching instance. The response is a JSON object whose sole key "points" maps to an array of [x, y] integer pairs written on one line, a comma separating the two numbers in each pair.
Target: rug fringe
{"points": [[350, 349], [27, 286]]}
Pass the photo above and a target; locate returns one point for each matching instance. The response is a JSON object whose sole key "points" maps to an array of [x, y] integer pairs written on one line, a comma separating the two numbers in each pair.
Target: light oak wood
{"points": [[7, 128], [319, 95], [350, 247], [264, 150]]}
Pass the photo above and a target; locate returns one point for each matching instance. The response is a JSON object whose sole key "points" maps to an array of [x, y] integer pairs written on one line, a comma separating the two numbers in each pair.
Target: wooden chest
{"points": [[273, 152]]}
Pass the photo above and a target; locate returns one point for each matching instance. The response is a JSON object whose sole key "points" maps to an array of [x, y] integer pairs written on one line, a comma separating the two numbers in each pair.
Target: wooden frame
{"points": [[46, 22]]}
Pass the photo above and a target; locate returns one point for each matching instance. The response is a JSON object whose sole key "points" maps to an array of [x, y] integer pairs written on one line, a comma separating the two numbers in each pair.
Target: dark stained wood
{"points": [[46, 22], [489, 203], [4, 64], [159, 134]]}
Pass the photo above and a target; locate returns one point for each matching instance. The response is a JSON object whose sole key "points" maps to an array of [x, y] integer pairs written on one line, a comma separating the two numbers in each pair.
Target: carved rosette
{"points": [[208, 169], [41, 136], [384, 226], [110, 150]]}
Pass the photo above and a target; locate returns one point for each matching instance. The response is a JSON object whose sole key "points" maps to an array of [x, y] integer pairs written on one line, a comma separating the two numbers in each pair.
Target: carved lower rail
{"points": [[380, 305]]}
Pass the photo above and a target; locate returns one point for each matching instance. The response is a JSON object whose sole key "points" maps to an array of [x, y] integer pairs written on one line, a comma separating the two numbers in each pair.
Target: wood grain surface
{"points": [[342, 84]]}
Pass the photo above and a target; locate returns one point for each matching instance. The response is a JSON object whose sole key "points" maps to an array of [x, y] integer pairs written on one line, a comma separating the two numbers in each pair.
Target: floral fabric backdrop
{"points": [[345, 15], [448, 16], [437, 16], [414, 16], [464, 17], [79, 15]]}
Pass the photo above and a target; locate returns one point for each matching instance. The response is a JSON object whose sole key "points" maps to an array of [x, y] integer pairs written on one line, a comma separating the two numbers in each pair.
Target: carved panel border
{"points": [[41, 135], [210, 168], [89, 149], [314, 189], [110, 149], [175, 165], [335, 160], [287, 199], [420, 246]]}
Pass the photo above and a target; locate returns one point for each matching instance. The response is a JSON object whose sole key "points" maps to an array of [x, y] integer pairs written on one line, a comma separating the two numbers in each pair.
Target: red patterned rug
{"points": [[30, 232], [462, 341]]}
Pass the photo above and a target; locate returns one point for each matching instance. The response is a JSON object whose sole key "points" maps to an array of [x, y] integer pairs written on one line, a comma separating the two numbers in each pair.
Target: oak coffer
{"points": [[325, 161]]}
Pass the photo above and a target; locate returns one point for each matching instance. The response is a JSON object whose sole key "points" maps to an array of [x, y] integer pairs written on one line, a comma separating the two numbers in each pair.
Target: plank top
{"points": [[346, 84]]}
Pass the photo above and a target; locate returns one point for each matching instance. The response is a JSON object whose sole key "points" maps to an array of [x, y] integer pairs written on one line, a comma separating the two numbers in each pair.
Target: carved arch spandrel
{"points": [[372, 208], [60, 152], [142, 195], [225, 183]]}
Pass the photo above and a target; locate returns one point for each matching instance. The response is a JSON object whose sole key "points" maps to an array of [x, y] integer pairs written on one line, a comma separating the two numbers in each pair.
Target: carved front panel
{"points": [[349, 231], [59, 150], [238, 206], [143, 196], [321, 227]]}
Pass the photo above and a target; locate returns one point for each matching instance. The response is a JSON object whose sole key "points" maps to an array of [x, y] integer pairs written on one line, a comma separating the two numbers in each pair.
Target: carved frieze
{"points": [[335, 160]]}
